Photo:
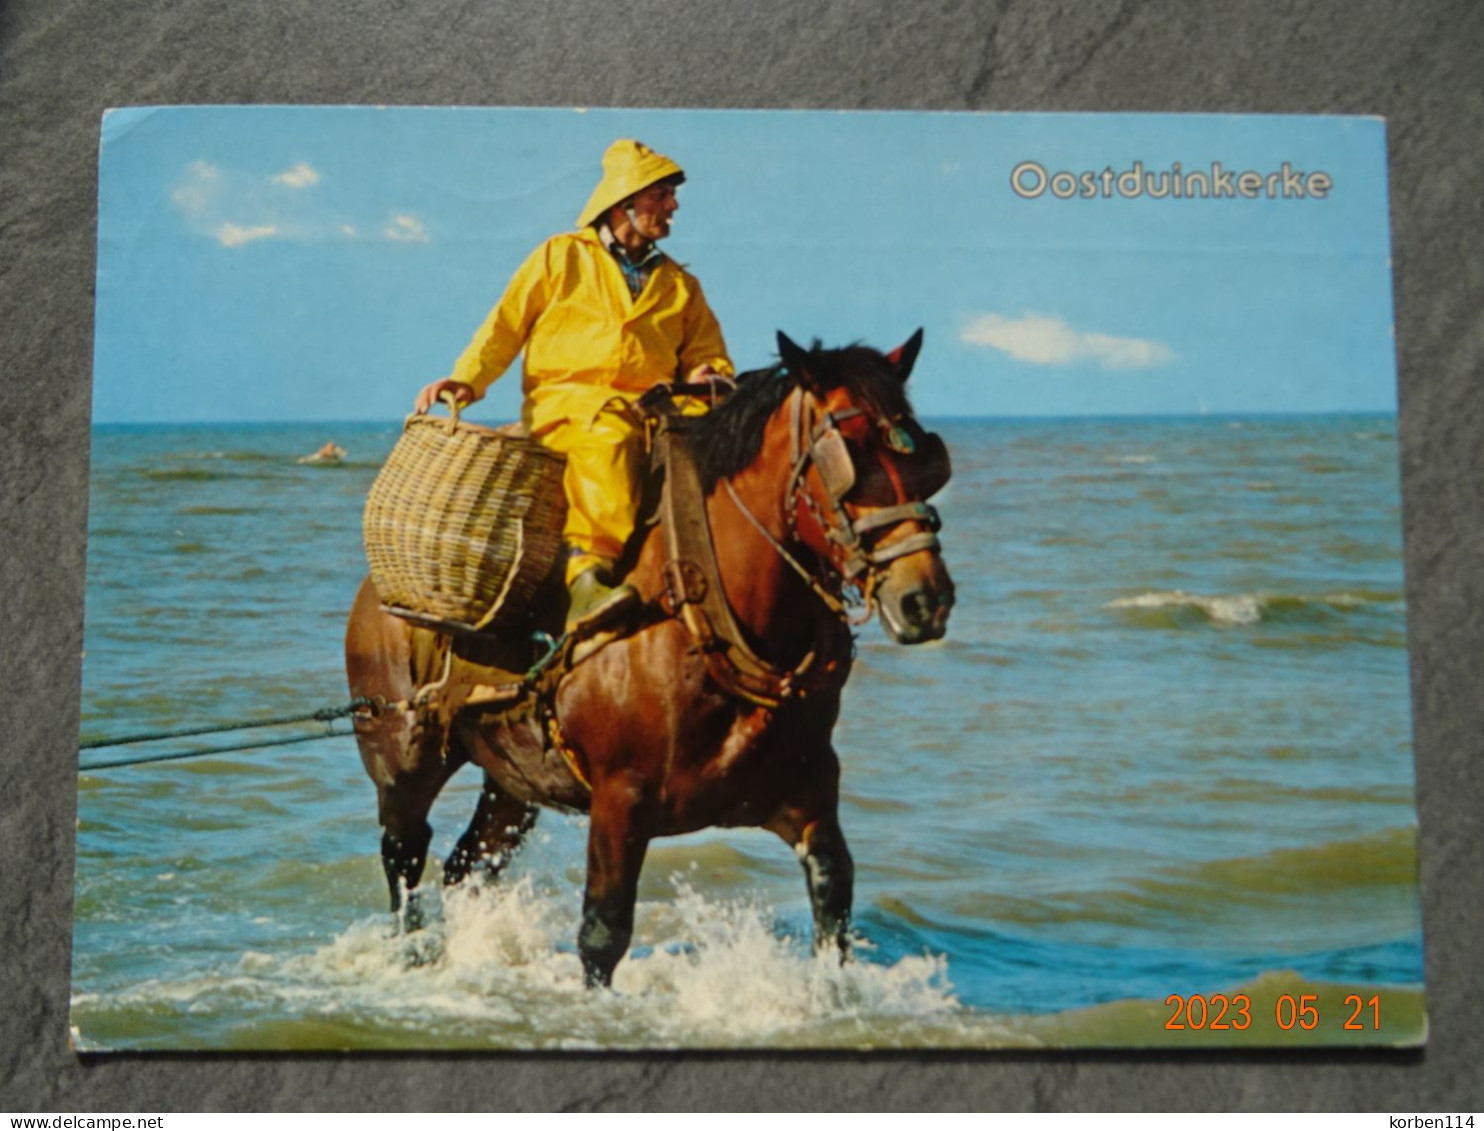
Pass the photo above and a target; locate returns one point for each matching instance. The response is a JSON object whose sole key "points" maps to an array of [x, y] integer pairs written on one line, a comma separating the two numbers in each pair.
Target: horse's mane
{"points": [[728, 438]]}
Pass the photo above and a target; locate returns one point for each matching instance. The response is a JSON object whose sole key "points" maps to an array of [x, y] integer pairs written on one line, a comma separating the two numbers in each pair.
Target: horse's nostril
{"points": [[918, 607]]}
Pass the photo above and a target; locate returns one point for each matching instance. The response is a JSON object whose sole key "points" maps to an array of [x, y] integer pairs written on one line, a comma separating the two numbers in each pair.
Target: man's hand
{"points": [[714, 379], [461, 392]]}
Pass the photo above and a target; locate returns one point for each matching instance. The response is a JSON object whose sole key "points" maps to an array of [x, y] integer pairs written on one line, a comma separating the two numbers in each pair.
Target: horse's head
{"points": [[863, 472]]}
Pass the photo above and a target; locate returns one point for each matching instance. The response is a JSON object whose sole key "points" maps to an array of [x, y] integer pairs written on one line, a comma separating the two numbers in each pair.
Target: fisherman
{"points": [[603, 316]]}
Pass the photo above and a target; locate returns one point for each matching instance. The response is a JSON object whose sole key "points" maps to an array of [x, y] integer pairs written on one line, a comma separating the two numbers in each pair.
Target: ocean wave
{"points": [[1305, 894], [1385, 859], [1241, 609], [213, 511], [182, 474], [237, 456]]}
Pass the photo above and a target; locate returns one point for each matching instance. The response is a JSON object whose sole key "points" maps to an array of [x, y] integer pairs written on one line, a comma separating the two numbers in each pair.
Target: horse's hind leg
{"points": [[409, 767], [404, 804], [496, 831], [386, 661]]}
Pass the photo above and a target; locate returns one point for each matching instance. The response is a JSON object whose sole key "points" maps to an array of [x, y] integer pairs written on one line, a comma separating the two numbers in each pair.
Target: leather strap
{"points": [[696, 593]]}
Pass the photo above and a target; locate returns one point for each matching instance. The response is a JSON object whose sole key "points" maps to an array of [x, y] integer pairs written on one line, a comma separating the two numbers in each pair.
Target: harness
{"points": [[694, 589], [854, 538], [694, 593]]}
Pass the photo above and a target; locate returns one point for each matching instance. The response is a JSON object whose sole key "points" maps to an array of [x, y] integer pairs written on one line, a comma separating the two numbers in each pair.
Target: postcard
{"points": [[944, 589]]}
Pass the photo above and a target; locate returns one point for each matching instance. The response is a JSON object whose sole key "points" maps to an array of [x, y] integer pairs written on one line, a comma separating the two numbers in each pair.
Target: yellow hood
{"points": [[628, 166]]}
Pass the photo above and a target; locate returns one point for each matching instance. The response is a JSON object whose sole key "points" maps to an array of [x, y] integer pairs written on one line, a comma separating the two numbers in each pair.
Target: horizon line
{"points": [[1170, 415]]}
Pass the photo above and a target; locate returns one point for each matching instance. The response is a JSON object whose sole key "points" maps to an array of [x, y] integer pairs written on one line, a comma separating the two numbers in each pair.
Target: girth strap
{"points": [[695, 592]]}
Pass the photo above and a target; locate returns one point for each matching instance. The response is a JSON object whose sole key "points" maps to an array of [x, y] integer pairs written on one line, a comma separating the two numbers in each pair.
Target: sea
{"points": [[1157, 779]]}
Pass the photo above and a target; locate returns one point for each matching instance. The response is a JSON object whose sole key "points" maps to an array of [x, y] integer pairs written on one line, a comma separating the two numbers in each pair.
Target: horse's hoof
{"points": [[594, 978]]}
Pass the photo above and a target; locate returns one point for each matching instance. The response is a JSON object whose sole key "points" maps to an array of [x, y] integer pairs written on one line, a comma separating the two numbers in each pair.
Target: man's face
{"points": [[652, 209]]}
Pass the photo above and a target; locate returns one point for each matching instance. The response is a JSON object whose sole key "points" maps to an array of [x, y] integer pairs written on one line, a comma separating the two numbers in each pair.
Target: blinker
{"points": [[831, 457]]}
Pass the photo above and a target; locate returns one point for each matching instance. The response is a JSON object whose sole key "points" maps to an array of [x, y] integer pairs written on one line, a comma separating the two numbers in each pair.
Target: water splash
{"points": [[496, 968], [725, 973]]}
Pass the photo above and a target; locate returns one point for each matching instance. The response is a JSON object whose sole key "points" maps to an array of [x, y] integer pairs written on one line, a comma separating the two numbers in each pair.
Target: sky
{"points": [[324, 263]]}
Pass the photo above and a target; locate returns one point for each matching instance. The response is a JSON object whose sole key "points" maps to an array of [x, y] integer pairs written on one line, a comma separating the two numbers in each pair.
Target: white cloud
{"points": [[1045, 339], [206, 196], [233, 207], [300, 176], [195, 194], [406, 228], [235, 235]]}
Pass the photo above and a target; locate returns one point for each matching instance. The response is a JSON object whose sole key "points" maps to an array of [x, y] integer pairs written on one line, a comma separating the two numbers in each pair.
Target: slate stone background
{"points": [[1421, 65]]}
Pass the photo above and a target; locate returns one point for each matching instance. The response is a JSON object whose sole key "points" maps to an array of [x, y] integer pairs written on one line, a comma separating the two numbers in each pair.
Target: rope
{"points": [[323, 715], [326, 715], [208, 750]]}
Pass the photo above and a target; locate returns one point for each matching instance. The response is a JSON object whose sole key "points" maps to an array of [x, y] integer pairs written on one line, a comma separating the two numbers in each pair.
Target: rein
{"points": [[833, 603]]}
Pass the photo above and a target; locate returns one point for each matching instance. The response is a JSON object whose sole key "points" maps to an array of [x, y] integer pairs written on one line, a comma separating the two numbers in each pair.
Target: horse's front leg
{"points": [[828, 871], [616, 843]]}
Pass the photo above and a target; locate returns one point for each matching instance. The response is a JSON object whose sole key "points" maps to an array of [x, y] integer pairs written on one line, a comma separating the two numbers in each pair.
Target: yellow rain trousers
{"points": [[587, 341]]}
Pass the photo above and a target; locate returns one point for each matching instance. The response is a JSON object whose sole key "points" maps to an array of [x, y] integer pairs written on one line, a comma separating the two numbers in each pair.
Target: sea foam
{"points": [[1236, 609], [1240, 609]]}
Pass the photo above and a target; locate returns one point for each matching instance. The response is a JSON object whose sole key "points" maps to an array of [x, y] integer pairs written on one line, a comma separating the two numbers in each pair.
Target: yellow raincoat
{"points": [[586, 340]]}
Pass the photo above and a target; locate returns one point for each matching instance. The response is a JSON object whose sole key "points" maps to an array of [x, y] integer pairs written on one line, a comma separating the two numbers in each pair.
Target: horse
{"points": [[815, 476]]}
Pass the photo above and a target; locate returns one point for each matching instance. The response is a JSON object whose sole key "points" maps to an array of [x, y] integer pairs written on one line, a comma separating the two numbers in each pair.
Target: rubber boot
{"points": [[595, 603]]}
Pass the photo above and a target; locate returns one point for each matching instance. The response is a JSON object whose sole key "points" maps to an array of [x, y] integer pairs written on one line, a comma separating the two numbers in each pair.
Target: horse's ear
{"points": [[905, 356], [794, 359]]}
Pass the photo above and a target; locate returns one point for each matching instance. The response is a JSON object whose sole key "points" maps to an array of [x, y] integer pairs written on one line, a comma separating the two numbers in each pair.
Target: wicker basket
{"points": [[463, 523]]}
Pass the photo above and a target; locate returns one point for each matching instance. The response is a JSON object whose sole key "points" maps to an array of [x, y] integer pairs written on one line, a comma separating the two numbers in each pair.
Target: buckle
{"points": [[685, 584]]}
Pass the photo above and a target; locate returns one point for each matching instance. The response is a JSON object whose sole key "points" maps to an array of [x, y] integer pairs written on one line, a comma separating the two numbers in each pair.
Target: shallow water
{"points": [[1164, 749]]}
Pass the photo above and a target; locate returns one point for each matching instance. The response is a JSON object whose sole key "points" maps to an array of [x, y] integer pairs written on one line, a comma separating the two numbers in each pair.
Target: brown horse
{"points": [[815, 475]]}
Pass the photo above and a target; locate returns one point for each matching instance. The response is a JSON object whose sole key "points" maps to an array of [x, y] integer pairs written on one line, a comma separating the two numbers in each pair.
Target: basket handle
{"points": [[450, 402], [453, 404]]}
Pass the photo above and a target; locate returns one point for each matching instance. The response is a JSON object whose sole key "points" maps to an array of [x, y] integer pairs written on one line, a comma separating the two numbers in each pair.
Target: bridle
{"points": [[854, 549]]}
